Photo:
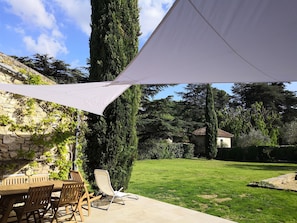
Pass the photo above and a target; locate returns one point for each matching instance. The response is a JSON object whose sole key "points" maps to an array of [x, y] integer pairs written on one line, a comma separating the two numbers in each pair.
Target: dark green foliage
{"points": [[288, 133], [211, 125], [153, 149], [188, 150], [259, 154], [242, 154], [256, 124], [274, 97], [112, 139], [192, 107], [57, 70], [149, 91], [193, 104], [284, 154], [156, 120]]}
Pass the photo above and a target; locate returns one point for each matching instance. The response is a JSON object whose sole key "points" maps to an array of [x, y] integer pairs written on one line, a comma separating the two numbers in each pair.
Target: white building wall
{"points": [[223, 142]]}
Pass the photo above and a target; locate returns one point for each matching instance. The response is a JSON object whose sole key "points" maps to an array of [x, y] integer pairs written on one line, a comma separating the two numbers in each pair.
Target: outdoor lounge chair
{"points": [[102, 179]]}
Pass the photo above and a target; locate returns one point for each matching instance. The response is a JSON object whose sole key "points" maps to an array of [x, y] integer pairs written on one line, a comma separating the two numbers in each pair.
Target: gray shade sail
{"points": [[220, 41], [92, 97], [198, 41]]}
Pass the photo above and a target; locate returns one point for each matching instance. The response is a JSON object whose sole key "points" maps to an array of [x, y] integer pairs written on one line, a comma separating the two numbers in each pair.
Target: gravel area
{"points": [[283, 182]]}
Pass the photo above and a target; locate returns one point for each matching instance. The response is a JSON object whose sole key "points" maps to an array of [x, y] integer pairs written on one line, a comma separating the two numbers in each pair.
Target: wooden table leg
{"points": [[6, 206]]}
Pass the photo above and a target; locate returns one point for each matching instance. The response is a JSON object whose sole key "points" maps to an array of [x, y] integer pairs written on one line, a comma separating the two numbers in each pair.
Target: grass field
{"points": [[218, 188]]}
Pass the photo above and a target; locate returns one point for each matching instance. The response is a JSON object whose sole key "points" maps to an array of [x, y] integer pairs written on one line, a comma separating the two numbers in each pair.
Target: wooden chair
{"points": [[70, 196], [36, 203], [15, 179], [87, 198], [38, 178]]}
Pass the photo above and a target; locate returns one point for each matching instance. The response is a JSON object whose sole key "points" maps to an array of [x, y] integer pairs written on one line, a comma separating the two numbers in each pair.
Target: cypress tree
{"points": [[211, 125], [112, 138]]}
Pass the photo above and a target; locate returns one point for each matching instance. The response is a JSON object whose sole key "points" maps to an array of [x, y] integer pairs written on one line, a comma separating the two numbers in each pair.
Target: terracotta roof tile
{"points": [[221, 133]]}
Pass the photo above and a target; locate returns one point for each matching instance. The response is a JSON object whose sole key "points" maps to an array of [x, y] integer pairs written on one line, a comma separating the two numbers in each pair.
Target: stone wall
{"points": [[15, 142]]}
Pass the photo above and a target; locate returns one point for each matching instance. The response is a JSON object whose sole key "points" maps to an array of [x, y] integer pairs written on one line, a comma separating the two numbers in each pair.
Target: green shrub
{"points": [[289, 133], [188, 150], [253, 138], [153, 149], [147, 150]]}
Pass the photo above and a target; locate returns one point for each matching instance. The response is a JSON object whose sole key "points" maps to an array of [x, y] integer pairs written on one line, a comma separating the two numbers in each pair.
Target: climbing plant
{"points": [[52, 134]]}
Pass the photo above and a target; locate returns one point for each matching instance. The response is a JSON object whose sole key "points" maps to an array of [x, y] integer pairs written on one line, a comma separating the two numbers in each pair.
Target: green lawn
{"points": [[217, 187]]}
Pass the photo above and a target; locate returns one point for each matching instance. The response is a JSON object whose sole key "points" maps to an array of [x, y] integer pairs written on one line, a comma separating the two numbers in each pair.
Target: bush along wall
{"points": [[163, 150], [259, 154]]}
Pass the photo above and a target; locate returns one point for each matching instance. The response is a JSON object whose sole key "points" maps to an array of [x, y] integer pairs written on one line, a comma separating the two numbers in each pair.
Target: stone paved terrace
{"points": [[143, 210], [146, 210]]}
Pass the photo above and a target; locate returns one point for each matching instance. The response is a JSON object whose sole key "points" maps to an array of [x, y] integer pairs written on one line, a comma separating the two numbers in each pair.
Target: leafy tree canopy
{"points": [[55, 69]]}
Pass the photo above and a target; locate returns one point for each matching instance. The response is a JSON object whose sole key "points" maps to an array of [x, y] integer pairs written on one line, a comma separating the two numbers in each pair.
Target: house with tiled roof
{"points": [[224, 140]]}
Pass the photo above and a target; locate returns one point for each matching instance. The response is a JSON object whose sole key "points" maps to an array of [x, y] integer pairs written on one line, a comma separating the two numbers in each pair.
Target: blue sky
{"points": [[61, 28], [226, 87]]}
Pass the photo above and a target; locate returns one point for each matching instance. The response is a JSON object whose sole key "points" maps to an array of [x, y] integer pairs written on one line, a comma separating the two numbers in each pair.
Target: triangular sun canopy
{"points": [[220, 41], [91, 97], [198, 41]]}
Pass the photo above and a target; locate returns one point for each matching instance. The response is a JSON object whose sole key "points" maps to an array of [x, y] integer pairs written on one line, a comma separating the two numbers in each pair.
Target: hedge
{"points": [[261, 154]]}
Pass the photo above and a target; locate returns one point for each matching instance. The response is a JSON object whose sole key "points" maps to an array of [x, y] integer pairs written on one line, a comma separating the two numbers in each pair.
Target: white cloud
{"points": [[39, 29], [44, 45], [32, 12], [151, 14], [75, 63], [19, 30], [79, 11], [15, 29]]}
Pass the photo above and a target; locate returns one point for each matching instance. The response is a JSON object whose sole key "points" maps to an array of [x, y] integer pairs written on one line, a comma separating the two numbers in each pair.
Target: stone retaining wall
{"points": [[14, 141]]}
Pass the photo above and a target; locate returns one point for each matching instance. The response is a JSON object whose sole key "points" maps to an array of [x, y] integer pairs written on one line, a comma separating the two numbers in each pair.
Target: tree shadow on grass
{"points": [[264, 166]]}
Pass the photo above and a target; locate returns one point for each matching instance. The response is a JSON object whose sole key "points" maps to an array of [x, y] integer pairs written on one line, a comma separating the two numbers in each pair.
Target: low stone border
{"points": [[283, 182]]}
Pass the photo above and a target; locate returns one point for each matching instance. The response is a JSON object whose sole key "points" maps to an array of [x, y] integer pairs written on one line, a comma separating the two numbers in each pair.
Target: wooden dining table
{"points": [[11, 194]]}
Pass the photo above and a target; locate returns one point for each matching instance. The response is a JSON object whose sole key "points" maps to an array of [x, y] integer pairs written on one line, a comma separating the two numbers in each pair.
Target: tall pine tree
{"points": [[112, 138], [211, 125]]}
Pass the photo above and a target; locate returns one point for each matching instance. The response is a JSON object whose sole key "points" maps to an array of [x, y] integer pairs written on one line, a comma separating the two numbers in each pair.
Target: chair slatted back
{"points": [[76, 176], [38, 198], [38, 178], [70, 196], [15, 179], [71, 193], [86, 198]]}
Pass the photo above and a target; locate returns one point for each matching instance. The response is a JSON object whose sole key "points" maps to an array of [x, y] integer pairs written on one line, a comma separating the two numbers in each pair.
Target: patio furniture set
{"points": [[22, 199]]}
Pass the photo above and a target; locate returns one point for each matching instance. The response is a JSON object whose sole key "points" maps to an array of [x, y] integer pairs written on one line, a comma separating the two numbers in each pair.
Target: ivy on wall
{"points": [[52, 136]]}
